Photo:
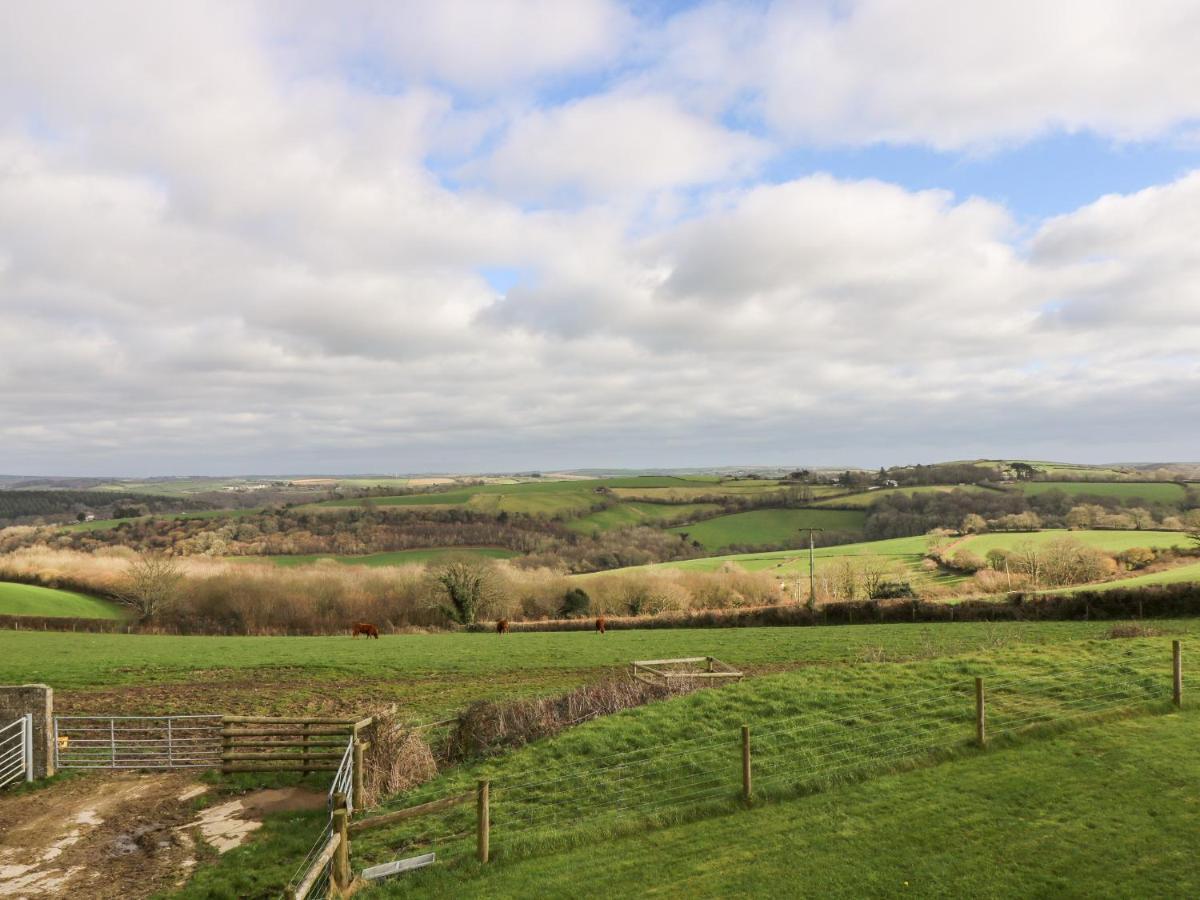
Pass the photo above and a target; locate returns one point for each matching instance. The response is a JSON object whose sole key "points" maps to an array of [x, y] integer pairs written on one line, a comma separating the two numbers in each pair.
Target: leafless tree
{"points": [[151, 585]]}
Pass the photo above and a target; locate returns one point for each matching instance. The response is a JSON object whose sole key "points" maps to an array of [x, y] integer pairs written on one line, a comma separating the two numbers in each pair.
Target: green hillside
{"points": [[29, 600], [870, 498], [769, 526], [1149, 491]]}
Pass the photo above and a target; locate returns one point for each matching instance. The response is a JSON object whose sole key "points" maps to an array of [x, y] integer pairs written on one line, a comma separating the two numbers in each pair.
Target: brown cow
{"points": [[365, 628], [601, 624], [502, 626]]}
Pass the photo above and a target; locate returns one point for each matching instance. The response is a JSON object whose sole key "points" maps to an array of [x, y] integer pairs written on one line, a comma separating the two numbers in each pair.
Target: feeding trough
{"points": [[664, 671]]}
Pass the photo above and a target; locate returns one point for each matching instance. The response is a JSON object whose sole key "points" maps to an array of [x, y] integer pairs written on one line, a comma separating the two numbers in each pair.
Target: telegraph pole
{"points": [[812, 569]]}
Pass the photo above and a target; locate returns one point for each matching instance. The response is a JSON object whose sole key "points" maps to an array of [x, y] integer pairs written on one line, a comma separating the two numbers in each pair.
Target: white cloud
{"points": [[217, 251], [946, 73], [616, 145]]}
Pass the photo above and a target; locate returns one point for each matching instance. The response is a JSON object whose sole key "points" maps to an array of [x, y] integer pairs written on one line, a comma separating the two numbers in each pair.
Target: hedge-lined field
{"points": [[769, 526], [1151, 491], [29, 600]]}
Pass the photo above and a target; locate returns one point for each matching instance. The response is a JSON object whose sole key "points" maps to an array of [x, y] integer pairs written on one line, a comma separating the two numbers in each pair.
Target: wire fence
{"points": [[677, 780]]}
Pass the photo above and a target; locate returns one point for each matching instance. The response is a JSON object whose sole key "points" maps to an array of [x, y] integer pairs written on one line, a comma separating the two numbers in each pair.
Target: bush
{"points": [[576, 602]]}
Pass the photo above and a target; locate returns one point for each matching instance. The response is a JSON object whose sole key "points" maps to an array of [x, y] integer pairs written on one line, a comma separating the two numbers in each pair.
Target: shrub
{"points": [[576, 602]]}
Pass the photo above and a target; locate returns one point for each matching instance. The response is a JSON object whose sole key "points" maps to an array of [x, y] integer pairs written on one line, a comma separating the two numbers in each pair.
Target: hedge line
{"points": [[1157, 601]]}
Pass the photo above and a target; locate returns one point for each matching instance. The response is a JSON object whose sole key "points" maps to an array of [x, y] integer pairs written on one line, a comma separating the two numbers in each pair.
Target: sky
{"points": [[285, 236]]}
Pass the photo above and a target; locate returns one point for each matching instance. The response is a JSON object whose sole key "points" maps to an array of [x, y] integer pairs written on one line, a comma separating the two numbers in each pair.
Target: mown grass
{"points": [[679, 760], [28, 600], [394, 558], [769, 526]]}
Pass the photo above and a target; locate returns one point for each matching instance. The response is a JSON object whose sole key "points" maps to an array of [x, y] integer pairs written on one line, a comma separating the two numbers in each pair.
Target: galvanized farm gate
{"points": [[16, 751], [137, 742]]}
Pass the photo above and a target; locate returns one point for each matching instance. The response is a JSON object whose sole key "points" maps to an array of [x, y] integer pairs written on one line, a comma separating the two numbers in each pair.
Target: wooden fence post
{"points": [[1177, 667], [483, 823], [358, 775], [305, 748], [980, 714], [341, 859], [226, 743], [746, 785]]}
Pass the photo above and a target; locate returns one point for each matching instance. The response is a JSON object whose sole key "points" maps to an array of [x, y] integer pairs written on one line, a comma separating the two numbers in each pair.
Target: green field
{"points": [[1110, 541], [624, 515], [394, 558], [870, 498], [769, 526], [1177, 575], [1150, 491], [29, 600], [1103, 811], [826, 737]]}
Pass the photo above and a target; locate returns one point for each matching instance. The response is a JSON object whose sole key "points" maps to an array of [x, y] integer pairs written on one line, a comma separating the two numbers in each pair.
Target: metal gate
{"points": [[16, 751], [137, 742]]}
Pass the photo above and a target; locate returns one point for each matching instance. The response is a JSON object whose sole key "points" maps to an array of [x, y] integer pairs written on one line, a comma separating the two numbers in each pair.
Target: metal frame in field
{"points": [[16, 751], [664, 671]]}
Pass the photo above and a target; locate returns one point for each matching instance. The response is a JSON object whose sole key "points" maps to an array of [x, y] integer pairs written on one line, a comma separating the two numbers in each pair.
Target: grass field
{"points": [[105, 524], [864, 500], [611, 783], [29, 600], [394, 558], [769, 526], [1177, 575], [431, 674], [1150, 491], [1110, 541], [1104, 811], [624, 515]]}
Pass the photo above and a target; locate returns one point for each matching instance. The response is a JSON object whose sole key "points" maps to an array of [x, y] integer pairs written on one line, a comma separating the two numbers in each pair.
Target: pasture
{"points": [[1148, 491], [1105, 810], [676, 761], [769, 526], [430, 674], [29, 600], [870, 498]]}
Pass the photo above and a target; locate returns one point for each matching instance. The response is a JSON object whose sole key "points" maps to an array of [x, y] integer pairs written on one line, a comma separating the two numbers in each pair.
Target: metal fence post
{"points": [[112, 739], [357, 774]]}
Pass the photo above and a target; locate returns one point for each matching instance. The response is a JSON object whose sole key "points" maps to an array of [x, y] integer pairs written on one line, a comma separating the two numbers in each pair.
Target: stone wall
{"points": [[38, 699]]}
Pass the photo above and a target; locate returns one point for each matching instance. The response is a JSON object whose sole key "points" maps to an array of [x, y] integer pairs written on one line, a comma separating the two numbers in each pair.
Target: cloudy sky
{"points": [[495, 234]]}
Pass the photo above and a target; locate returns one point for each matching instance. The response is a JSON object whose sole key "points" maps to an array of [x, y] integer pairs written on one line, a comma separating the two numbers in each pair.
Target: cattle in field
{"points": [[365, 628], [502, 626], [601, 624]]}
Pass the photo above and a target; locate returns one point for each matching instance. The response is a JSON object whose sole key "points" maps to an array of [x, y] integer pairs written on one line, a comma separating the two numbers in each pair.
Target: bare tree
{"points": [[151, 585]]}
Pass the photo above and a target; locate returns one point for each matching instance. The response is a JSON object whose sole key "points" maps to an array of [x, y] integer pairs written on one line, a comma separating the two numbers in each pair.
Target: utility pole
{"points": [[812, 570]]}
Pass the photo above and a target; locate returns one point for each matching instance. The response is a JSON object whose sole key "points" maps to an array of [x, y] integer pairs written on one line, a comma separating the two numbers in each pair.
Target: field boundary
{"points": [[768, 759]]}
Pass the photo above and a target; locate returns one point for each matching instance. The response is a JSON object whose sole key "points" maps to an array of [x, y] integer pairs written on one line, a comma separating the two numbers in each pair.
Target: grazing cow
{"points": [[502, 626], [601, 624], [365, 628]]}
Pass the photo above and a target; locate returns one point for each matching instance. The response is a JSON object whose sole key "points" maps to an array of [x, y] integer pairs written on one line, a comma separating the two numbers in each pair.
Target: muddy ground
{"points": [[110, 836]]}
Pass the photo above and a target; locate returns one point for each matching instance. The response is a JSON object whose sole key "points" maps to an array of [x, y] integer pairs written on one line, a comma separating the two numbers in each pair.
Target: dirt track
{"points": [[122, 836]]}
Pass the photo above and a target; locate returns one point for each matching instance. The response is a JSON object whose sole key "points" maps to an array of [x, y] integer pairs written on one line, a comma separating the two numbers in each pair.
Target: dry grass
{"points": [[398, 759], [1132, 630], [488, 727]]}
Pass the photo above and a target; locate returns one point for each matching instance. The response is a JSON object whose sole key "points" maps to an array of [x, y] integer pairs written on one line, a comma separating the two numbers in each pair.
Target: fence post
{"points": [[483, 823], [226, 743], [1177, 667], [358, 774], [341, 859], [28, 748], [746, 785], [980, 713], [304, 750]]}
